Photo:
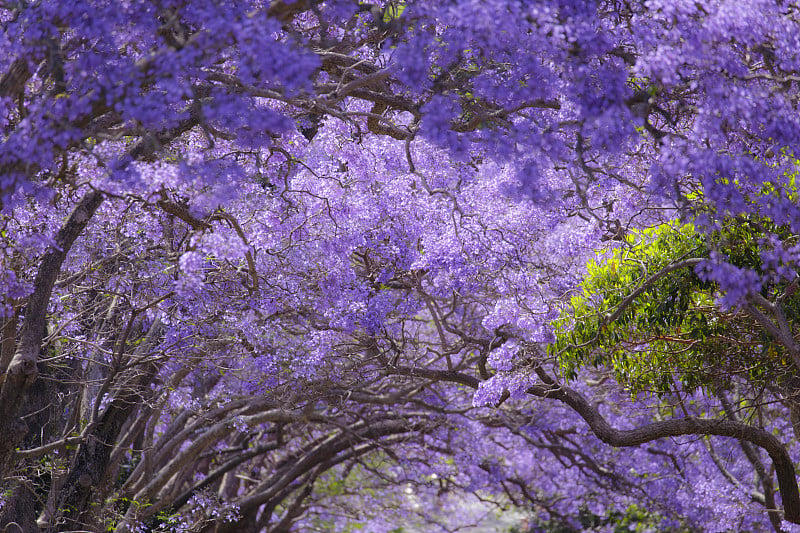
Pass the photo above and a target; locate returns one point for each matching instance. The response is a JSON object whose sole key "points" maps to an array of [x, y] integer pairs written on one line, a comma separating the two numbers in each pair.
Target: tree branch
{"points": [[784, 467]]}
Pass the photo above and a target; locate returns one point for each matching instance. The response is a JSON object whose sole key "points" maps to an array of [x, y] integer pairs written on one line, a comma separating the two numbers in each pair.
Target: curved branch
{"points": [[628, 300], [437, 375], [13, 80], [622, 438], [327, 450], [768, 500], [780, 332]]}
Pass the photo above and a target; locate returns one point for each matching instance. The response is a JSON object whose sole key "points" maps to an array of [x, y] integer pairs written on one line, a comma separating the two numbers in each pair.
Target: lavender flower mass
{"points": [[278, 266]]}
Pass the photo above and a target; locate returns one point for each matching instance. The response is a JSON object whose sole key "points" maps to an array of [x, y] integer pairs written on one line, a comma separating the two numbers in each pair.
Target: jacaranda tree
{"points": [[274, 266]]}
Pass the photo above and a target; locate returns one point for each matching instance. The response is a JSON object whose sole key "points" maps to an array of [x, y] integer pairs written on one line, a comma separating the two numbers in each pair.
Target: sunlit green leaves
{"points": [[645, 314]]}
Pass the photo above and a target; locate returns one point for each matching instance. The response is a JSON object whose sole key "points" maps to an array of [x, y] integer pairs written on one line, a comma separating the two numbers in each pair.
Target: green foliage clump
{"points": [[645, 313]]}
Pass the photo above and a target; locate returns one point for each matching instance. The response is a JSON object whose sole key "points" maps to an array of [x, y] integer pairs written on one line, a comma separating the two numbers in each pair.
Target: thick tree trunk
{"points": [[19, 510], [88, 473], [18, 395], [23, 369]]}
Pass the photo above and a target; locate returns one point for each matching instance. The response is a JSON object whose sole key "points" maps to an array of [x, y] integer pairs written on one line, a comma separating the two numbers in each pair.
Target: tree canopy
{"points": [[273, 266]]}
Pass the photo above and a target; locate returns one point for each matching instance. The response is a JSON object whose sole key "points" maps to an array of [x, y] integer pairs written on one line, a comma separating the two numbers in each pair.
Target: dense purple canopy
{"points": [[295, 266]]}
